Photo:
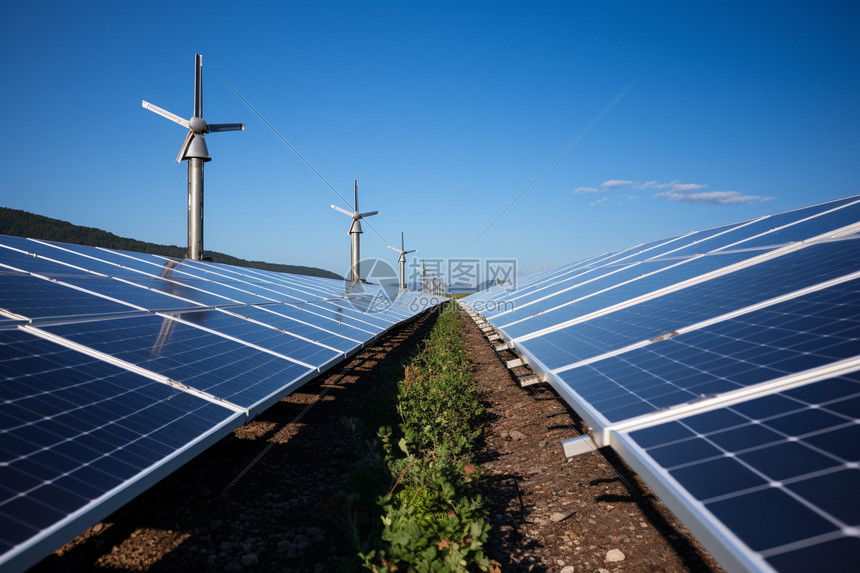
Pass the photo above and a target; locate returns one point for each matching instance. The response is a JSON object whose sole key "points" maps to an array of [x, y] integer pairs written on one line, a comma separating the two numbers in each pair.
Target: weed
{"points": [[429, 517]]}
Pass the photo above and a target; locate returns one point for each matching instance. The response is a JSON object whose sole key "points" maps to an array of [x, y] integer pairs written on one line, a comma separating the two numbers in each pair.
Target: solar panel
{"points": [[780, 472], [794, 336], [118, 367], [34, 298], [611, 289], [675, 310], [307, 325], [75, 429], [638, 277], [725, 370]]}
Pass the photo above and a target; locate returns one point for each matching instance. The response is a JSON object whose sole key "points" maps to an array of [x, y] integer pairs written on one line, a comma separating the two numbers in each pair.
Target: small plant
{"points": [[432, 517]]}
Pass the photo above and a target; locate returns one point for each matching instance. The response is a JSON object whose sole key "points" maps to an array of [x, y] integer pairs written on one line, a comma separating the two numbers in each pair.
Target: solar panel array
{"points": [[724, 366], [116, 368]]}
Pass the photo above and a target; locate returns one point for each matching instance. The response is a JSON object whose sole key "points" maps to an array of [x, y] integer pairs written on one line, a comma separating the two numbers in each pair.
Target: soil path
{"points": [[553, 514]]}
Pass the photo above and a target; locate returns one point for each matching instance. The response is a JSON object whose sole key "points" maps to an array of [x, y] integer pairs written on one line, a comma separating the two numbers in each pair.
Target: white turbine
{"points": [[402, 260], [195, 152], [354, 232]]}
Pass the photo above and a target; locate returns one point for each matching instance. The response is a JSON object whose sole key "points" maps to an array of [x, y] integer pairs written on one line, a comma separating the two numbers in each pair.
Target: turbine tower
{"points": [[354, 232], [402, 260], [194, 151]]}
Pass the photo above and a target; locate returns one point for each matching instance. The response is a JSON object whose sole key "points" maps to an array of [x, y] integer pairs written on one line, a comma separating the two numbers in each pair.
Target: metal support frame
{"points": [[195, 209], [580, 445], [354, 256]]}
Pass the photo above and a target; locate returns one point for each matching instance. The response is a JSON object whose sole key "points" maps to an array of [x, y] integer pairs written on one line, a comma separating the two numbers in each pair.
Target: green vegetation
{"points": [[415, 505], [23, 224]]}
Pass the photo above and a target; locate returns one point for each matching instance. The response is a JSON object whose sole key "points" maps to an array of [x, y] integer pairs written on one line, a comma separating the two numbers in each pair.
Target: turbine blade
{"points": [[369, 214], [394, 248], [412, 251], [164, 113], [344, 211], [185, 147], [402, 245], [198, 85], [214, 127], [356, 195]]}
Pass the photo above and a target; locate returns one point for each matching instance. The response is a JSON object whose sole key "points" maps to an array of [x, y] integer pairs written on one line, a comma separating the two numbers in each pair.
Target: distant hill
{"points": [[23, 224]]}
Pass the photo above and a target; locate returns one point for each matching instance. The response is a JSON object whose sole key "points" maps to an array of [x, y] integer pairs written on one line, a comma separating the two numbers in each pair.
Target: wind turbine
{"points": [[402, 260], [354, 232], [195, 152]]}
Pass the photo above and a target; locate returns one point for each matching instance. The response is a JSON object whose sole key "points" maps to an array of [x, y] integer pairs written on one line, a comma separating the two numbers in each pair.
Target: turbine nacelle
{"points": [[355, 226], [198, 125], [194, 146], [403, 252]]}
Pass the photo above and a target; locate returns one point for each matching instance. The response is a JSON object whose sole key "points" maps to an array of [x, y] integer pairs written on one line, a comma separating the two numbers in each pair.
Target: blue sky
{"points": [[444, 112]]}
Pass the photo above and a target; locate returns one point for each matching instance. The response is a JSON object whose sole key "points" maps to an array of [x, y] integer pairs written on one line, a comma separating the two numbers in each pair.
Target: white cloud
{"points": [[615, 183], [675, 191], [681, 187], [711, 197], [674, 185]]}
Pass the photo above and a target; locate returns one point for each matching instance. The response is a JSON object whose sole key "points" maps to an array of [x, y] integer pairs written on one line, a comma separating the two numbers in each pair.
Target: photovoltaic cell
{"points": [[797, 335], [672, 249], [308, 351], [149, 294], [610, 270], [544, 312], [293, 287], [673, 311], [36, 298], [314, 316], [219, 366], [841, 214], [305, 324], [344, 311], [249, 291], [72, 428], [567, 306], [779, 229], [65, 259], [780, 471], [38, 265], [141, 262]]}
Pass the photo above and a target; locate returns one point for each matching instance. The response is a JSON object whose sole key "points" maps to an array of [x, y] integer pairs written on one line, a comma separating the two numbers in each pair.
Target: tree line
{"points": [[24, 224]]}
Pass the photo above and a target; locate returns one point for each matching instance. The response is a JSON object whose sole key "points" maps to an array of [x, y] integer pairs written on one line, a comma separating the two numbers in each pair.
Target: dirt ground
{"points": [[255, 501]]}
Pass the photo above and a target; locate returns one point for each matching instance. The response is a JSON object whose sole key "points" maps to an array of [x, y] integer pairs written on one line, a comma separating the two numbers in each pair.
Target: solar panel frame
{"points": [[74, 512], [24, 295], [746, 551], [676, 311], [180, 350]]}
